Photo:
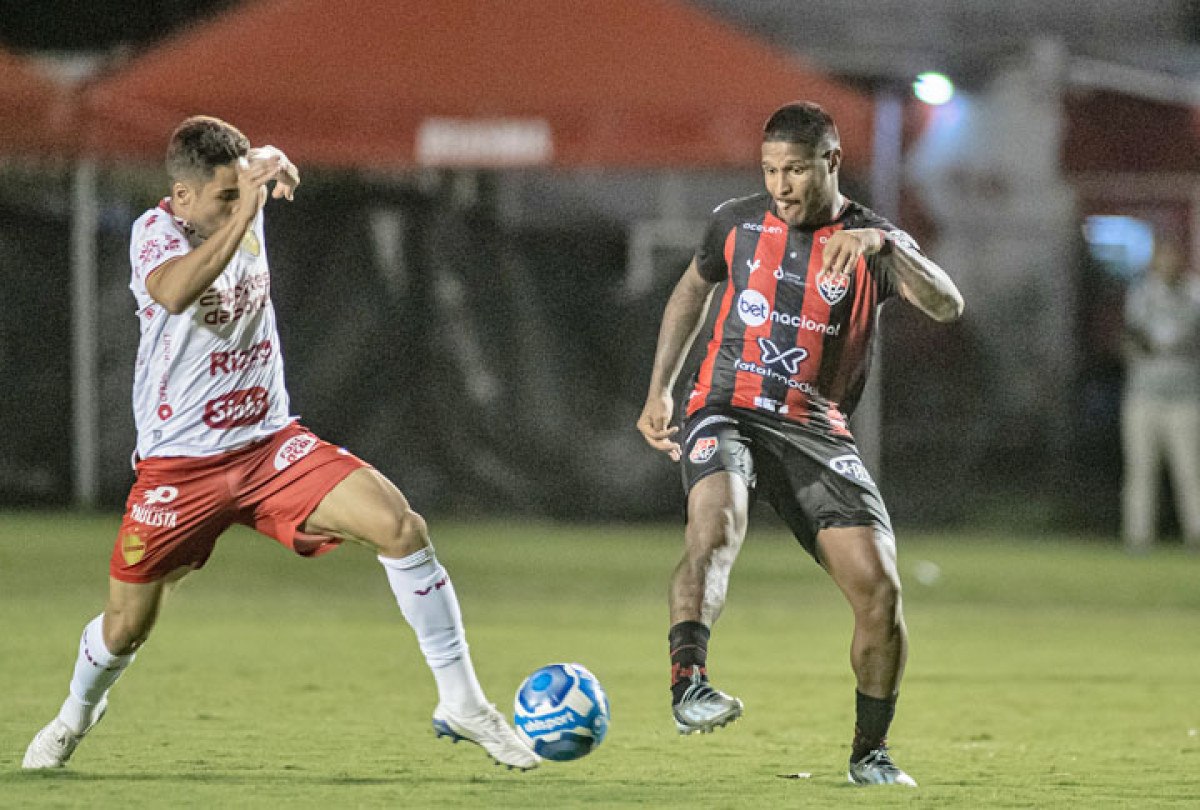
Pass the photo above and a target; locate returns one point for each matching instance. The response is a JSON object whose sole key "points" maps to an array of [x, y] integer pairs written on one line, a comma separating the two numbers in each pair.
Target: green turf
{"points": [[1045, 672]]}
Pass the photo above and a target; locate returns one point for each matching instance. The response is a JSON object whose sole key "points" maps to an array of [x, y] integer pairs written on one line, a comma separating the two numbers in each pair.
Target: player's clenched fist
{"points": [[654, 423]]}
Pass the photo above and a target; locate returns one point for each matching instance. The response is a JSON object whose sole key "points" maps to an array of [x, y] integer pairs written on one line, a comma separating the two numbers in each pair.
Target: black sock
{"points": [[873, 716], [689, 653]]}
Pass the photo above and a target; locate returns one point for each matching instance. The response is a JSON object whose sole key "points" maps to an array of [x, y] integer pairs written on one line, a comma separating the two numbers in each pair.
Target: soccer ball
{"points": [[561, 712]]}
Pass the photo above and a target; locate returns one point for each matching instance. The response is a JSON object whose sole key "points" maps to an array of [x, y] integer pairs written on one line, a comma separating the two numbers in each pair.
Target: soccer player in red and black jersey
{"points": [[805, 270]]}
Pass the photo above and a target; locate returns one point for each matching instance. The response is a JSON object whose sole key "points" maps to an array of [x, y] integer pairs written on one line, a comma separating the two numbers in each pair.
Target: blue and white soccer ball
{"points": [[561, 712]]}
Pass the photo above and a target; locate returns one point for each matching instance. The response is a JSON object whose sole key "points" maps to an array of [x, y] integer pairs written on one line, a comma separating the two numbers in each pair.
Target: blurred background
{"points": [[499, 196]]}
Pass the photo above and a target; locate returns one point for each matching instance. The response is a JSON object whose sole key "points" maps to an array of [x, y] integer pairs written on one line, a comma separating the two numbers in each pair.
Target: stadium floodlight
{"points": [[933, 88]]}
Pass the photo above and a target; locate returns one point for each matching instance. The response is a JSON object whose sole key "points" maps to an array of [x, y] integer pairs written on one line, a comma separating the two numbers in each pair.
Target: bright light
{"points": [[933, 88]]}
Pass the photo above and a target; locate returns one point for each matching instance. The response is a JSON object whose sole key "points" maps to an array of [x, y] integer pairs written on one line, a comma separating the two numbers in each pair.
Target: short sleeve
{"points": [[876, 264], [710, 256], [155, 240]]}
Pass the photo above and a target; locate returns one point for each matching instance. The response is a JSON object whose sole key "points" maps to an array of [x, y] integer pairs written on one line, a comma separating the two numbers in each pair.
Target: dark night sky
{"points": [[87, 25]]}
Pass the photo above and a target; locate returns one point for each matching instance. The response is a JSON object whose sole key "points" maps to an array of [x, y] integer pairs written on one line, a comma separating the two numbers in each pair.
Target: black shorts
{"points": [[812, 481]]}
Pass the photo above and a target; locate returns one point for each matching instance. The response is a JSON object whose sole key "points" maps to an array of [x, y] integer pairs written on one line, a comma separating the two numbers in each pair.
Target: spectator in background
{"points": [[1161, 409]]}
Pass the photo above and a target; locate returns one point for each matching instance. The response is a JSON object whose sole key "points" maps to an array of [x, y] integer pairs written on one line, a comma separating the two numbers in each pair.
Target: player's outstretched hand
{"points": [[286, 176], [655, 425], [843, 249]]}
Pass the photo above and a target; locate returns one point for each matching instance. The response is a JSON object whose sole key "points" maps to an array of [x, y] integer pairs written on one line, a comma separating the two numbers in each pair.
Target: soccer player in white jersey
{"points": [[216, 446]]}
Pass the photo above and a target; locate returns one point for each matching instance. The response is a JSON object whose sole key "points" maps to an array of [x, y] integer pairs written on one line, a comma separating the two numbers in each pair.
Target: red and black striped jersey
{"points": [[789, 341]]}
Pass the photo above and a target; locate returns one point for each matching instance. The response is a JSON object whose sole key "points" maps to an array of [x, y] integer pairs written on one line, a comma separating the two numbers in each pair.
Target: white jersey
{"points": [[209, 379]]}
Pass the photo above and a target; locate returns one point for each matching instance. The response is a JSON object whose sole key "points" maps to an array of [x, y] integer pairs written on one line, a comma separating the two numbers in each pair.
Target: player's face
{"points": [[207, 206], [802, 180]]}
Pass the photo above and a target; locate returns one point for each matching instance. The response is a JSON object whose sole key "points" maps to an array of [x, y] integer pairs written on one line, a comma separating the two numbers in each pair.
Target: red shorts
{"points": [[180, 505]]}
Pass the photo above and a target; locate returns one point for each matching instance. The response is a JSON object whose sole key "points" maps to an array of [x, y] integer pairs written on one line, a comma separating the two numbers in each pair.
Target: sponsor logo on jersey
{"points": [[789, 277], [754, 226], [771, 374], [225, 305], [237, 408], [753, 308], [133, 548], [789, 359], [703, 449], [293, 450], [833, 286], [239, 359], [851, 466], [769, 404]]}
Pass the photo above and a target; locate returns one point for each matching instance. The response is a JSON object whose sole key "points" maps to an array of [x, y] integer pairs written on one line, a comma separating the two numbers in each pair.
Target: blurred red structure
{"points": [[35, 111], [628, 83]]}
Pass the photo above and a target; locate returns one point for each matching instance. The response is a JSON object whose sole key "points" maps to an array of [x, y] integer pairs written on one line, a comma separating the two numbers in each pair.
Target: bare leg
{"points": [[862, 561], [717, 515]]}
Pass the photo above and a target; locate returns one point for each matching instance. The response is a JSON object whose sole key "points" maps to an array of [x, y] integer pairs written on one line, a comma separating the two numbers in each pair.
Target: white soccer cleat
{"points": [[877, 768], [53, 745], [703, 708], [489, 730]]}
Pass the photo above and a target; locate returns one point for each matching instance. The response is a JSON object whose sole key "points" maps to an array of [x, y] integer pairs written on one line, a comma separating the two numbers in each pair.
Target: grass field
{"points": [[1045, 672]]}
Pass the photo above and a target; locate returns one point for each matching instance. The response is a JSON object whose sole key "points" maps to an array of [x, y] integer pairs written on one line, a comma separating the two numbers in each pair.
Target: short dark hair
{"points": [[801, 122], [202, 143]]}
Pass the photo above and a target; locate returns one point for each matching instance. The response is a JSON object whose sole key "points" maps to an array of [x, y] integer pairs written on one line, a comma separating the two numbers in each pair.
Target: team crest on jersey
{"points": [[833, 286], [703, 449], [250, 243]]}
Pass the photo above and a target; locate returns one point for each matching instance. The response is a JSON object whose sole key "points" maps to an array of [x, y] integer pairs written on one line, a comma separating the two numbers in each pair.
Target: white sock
{"points": [[427, 599], [96, 670]]}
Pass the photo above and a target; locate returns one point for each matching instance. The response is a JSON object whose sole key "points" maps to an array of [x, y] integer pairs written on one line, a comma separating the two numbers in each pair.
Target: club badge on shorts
{"points": [[703, 449]]}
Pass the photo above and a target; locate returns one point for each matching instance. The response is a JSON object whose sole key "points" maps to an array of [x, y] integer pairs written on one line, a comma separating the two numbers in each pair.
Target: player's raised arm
{"points": [[681, 321], [227, 203]]}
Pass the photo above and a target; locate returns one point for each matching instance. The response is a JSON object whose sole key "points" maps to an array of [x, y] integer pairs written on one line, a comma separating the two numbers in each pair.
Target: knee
{"points": [[402, 532], [124, 632], [880, 603], [714, 533]]}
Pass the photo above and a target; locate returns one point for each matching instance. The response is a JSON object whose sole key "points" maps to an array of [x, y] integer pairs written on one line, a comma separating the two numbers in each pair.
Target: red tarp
{"points": [[401, 83], [34, 110]]}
